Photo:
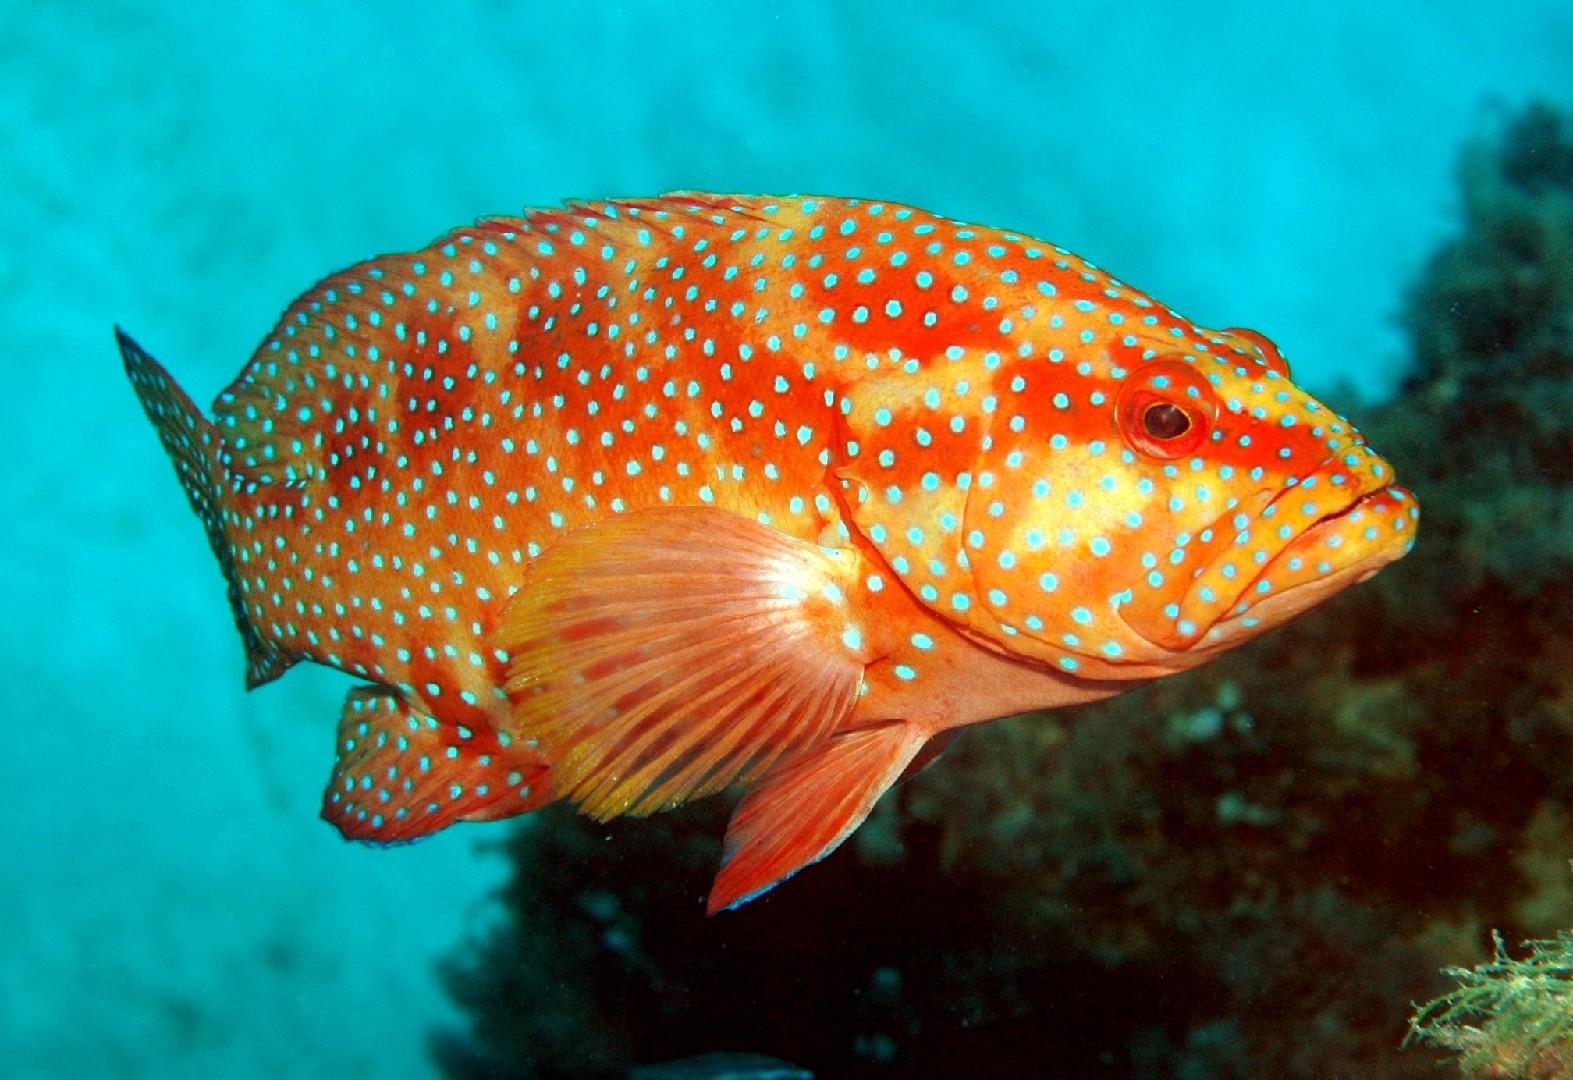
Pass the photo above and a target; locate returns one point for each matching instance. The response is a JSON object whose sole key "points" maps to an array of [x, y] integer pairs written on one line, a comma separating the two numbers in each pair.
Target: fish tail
{"points": [[192, 443]]}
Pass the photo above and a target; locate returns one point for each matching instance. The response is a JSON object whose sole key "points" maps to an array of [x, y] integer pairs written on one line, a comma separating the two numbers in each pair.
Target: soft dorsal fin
{"points": [[804, 809], [400, 775], [326, 382], [273, 416], [661, 655]]}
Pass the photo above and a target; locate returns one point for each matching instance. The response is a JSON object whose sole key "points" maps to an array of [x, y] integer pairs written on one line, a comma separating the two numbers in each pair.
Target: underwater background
{"points": [[1250, 872]]}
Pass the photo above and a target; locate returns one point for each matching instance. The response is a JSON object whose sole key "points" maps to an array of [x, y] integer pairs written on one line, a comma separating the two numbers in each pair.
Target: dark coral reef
{"points": [[1248, 871]]}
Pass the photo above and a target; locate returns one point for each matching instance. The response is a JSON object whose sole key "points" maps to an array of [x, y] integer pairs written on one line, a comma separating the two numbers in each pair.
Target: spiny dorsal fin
{"points": [[631, 222]]}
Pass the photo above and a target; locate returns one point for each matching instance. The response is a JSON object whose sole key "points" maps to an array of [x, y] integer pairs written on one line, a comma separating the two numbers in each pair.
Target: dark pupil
{"points": [[1164, 421]]}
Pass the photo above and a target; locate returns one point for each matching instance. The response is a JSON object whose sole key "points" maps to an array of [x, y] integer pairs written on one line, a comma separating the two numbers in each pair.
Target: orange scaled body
{"points": [[631, 502]]}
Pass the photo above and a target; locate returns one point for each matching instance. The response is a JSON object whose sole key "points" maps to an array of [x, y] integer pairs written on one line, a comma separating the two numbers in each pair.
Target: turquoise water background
{"points": [[170, 906]]}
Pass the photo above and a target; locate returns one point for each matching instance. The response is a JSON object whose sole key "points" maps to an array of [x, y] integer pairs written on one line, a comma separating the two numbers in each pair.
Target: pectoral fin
{"points": [[806, 807], [659, 656]]}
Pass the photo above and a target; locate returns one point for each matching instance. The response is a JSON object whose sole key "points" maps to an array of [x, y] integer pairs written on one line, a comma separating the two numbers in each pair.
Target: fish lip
{"points": [[1215, 606], [1323, 525], [1288, 601], [1327, 522], [1369, 487]]}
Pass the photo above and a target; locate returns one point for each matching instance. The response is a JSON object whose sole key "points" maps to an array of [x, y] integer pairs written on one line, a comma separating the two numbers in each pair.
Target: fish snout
{"points": [[1278, 553], [1335, 528]]}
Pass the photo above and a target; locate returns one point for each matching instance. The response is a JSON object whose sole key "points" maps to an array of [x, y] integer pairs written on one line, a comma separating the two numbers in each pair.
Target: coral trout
{"points": [[630, 502]]}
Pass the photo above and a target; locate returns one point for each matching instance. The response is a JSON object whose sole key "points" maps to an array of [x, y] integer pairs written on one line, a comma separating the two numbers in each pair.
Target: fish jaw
{"points": [[1339, 550], [1271, 553], [1265, 569]]}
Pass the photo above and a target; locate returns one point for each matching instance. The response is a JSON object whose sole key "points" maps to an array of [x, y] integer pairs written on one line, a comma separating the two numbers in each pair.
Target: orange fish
{"points": [[630, 502]]}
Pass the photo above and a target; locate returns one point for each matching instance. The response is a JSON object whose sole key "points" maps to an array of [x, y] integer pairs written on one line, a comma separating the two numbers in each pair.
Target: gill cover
{"points": [[1069, 501], [1029, 508], [908, 449]]}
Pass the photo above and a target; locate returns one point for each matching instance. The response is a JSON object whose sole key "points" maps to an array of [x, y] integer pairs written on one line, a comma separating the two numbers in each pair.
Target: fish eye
{"points": [[1164, 421], [1165, 409]]}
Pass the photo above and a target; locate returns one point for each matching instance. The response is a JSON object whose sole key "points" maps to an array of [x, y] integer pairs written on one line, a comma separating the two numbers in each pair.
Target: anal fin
{"points": [[401, 775], [802, 810]]}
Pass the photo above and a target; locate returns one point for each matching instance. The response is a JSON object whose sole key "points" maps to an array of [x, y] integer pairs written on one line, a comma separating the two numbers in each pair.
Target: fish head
{"points": [[1126, 511]]}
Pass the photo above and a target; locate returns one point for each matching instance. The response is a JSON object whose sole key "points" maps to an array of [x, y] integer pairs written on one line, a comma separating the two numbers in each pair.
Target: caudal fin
{"points": [[192, 444]]}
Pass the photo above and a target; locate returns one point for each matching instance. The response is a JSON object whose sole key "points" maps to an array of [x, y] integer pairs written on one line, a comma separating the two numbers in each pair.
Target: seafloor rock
{"points": [[1248, 871]]}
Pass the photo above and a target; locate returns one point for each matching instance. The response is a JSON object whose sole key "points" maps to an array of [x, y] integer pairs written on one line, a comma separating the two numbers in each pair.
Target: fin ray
{"points": [[806, 807], [194, 446], [661, 655]]}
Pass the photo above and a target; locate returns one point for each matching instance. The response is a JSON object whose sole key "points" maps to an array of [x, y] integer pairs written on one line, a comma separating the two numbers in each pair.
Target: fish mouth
{"points": [[1276, 554], [1340, 549]]}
